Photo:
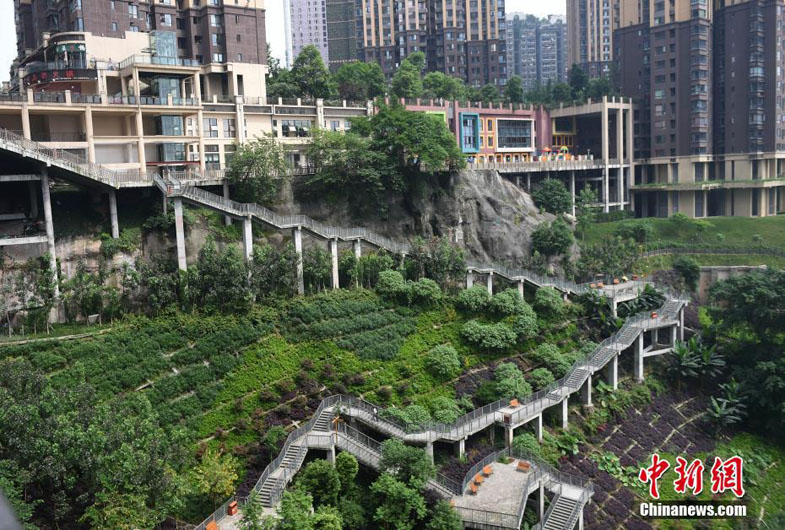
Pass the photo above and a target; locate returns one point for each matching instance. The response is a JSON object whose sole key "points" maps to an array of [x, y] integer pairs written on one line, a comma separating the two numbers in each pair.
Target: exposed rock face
{"points": [[490, 217]]}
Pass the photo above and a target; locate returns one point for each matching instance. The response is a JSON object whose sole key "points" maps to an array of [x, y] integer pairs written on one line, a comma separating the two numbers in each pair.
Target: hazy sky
{"points": [[275, 34]]}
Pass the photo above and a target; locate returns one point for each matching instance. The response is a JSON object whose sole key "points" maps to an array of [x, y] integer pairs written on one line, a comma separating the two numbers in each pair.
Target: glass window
{"points": [[210, 128], [230, 129]]}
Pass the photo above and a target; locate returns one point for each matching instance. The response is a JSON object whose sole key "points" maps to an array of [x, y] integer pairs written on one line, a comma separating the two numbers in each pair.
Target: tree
{"points": [[444, 517], [443, 362], [216, 475], [489, 94], [474, 299], [119, 511], [273, 272], [407, 464], [327, 518], [438, 85], [437, 259], [552, 239], [682, 362], [689, 270], [159, 282], [406, 82], [400, 506], [310, 75], [510, 382], [253, 517], [221, 281], [347, 467], [553, 197], [540, 378], [360, 81], [295, 511], [578, 81], [317, 269], [613, 256], [35, 289], [548, 301], [585, 209], [513, 91], [320, 479], [391, 285], [255, 169], [507, 303]]}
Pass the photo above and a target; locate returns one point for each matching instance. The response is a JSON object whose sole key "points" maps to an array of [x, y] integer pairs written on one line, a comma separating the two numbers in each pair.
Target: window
{"points": [[230, 129], [114, 26], [698, 204], [239, 38], [134, 28], [218, 57], [210, 128], [514, 134], [239, 57], [216, 21], [212, 157], [133, 11], [296, 128], [335, 125], [166, 19]]}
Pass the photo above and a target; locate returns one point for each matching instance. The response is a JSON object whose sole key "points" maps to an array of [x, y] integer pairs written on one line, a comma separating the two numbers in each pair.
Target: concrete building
{"points": [[341, 33], [536, 49], [590, 27], [462, 39], [710, 131], [305, 23]]}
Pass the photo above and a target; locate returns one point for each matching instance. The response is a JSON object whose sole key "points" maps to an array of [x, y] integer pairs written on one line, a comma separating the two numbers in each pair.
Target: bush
{"points": [[553, 359], [507, 302], [443, 362], [510, 382], [498, 336], [525, 325], [413, 415], [445, 410], [548, 301], [540, 378], [553, 197], [552, 239], [527, 443], [424, 292], [474, 299], [641, 230], [391, 285], [689, 270]]}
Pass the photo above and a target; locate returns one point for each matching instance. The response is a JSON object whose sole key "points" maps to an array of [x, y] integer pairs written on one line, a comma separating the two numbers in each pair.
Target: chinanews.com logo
{"points": [[725, 476]]}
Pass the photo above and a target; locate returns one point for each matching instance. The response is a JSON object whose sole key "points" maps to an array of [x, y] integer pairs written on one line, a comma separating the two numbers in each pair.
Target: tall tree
{"points": [[578, 81], [489, 94], [360, 81], [406, 82], [310, 75], [400, 506], [216, 474], [442, 86], [256, 168], [513, 91]]}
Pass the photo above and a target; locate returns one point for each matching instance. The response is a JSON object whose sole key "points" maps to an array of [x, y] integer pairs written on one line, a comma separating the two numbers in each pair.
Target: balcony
{"points": [[157, 60]]}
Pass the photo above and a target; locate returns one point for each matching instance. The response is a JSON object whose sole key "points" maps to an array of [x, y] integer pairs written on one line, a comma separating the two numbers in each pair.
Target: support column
{"points": [[461, 447], [469, 279], [655, 337], [357, 244], [113, 214], [140, 141], [580, 520], [25, 121], [165, 202], [33, 199], [508, 433], [638, 359], [429, 451], [541, 502], [492, 434], [564, 411], [586, 392], [572, 191], [630, 156], [334, 253], [247, 238], [227, 219], [538, 428], [529, 182], [613, 372], [88, 129], [681, 324], [297, 235], [674, 331], [180, 230], [605, 155], [490, 283], [50, 228], [614, 307], [620, 153], [331, 454], [520, 288]]}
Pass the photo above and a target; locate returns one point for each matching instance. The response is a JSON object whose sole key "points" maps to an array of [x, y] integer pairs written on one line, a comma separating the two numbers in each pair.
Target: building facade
{"points": [[306, 24], [536, 49], [710, 86], [590, 28]]}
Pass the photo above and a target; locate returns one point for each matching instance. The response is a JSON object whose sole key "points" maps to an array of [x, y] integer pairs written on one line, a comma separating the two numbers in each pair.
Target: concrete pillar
{"points": [[541, 501], [572, 191], [630, 153], [674, 331], [165, 202], [492, 434], [140, 141], [538, 428], [113, 214], [620, 152], [605, 155], [429, 451], [580, 520], [461, 447], [614, 307], [180, 231], [508, 434], [357, 244], [227, 219], [613, 372], [297, 235], [490, 283], [529, 182], [334, 253], [88, 130], [655, 337], [586, 392], [25, 121], [403, 261], [50, 227], [681, 324], [564, 411], [247, 238], [200, 128], [331, 454], [469, 279], [638, 359], [33, 199], [520, 288]]}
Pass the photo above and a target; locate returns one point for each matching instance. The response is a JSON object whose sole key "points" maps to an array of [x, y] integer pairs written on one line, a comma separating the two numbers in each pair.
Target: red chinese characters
{"points": [[727, 475], [689, 477], [653, 473]]}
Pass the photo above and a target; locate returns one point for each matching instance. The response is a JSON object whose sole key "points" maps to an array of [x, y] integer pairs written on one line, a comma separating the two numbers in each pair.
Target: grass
{"points": [[737, 232], [657, 263]]}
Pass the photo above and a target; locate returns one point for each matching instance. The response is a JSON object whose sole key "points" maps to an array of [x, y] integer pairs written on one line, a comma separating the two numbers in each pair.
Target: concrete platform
{"points": [[503, 492]]}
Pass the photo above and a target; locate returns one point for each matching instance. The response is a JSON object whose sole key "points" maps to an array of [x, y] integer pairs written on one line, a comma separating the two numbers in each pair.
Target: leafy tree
{"points": [[424, 292], [525, 325], [347, 467], [273, 272], [327, 518], [683, 363], [273, 440], [320, 479], [159, 281], [554, 360], [406, 82], [295, 511], [579, 81], [506, 303], [474, 299], [526, 443], [585, 209], [495, 337], [310, 75], [391, 285], [216, 475], [553, 197], [253, 517], [12, 485], [35, 289], [438, 85], [561, 93], [489, 94], [400, 506], [120, 511], [282, 85], [371, 265], [513, 91], [445, 409], [221, 281], [689, 270], [443, 362], [548, 301], [408, 464], [444, 517], [360, 81], [317, 269], [255, 169], [510, 382], [540, 378], [552, 239], [613, 256], [437, 259], [641, 230]]}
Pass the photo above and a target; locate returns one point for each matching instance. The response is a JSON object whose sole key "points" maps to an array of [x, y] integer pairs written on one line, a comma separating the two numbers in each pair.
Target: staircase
{"points": [[576, 378], [560, 514]]}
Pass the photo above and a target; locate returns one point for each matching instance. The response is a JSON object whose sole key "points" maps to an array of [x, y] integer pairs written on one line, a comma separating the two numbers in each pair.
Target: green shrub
{"points": [[391, 285], [548, 301], [443, 362], [413, 415], [540, 378], [424, 292], [444, 409], [510, 382], [552, 239], [473, 300], [689, 270], [641, 230], [506, 303], [527, 443], [552, 358], [497, 336], [525, 326]]}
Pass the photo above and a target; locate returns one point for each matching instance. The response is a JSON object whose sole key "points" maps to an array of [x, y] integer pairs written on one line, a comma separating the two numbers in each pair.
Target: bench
{"points": [[487, 471], [232, 509], [615, 281], [600, 285], [593, 285], [212, 525], [472, 489], [514, 403], [524, 466], [479, 479]]}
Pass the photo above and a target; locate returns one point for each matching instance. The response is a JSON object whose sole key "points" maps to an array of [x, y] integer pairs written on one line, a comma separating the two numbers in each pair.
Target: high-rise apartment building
{"points": [[462, 38], [536, 49], [590, 27], [341, 33], [305, 23], [711, 103]]}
